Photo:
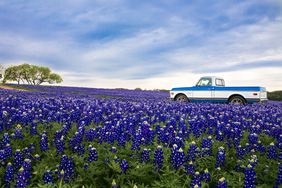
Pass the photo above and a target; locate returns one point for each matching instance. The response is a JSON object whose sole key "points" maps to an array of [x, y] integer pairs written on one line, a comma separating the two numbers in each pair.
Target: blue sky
{"points": [[148, 44]]}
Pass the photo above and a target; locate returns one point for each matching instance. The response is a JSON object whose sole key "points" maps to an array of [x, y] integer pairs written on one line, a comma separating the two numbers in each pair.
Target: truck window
{"points": [[219, 82], [204, 82]]}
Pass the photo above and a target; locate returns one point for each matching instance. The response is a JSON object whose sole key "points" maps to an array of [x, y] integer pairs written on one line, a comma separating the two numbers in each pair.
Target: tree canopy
{"points": [[31, 74]]}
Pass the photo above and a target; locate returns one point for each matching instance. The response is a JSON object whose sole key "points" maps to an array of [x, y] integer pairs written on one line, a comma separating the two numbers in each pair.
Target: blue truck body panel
{"points": [[218, 88]]}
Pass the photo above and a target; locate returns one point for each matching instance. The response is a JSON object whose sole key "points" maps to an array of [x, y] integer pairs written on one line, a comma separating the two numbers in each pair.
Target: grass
{"points": [[17, 87]]}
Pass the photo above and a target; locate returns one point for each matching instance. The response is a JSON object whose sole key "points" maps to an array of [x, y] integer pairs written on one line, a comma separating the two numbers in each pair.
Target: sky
{"points": [[146, 44]]}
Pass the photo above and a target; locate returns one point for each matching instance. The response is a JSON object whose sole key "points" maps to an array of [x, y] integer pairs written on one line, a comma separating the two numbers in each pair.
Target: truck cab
{"points": [[213, 89], [210, 81]]}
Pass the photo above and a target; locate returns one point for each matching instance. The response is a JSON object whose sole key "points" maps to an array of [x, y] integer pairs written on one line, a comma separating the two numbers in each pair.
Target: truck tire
{"points": [[237, 100], [181, 98]]}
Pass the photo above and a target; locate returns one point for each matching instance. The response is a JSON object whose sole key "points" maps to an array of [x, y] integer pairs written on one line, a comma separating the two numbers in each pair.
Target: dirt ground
{"points": [[8, 87]]}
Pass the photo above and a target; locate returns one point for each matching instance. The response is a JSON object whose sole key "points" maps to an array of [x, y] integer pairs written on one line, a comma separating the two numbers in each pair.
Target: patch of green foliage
{"points": [[275, 95], [103, 172]]}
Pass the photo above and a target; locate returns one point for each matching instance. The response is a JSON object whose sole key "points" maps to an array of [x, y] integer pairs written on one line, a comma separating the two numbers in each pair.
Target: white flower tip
{"points": [[222, 179]]}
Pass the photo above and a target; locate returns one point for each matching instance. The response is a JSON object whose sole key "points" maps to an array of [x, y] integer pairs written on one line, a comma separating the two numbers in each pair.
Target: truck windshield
{"points": [[204, 82]]}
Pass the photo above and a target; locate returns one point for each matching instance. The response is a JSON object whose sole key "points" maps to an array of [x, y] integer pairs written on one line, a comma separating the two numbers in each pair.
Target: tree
{"points": [[31, 74], [25, 70], [54, 78], [12, 74], [1, 71]]}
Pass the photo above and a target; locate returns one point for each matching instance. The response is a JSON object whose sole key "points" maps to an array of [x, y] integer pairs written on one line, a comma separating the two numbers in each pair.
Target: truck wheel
{"points": [[181, 98], [237, 100]]}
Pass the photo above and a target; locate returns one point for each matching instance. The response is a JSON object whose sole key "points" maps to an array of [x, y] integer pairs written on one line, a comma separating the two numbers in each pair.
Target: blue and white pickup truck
{"points": [[213, 89]]}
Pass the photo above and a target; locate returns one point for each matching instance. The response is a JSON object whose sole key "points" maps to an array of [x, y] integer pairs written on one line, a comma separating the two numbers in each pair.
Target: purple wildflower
{"points": [[220, 157], [250, 177], [196, 181], [221, 183], [124, 166], [48, 177], [145, 155], [93, 155], [9, 174], [158, 158]]}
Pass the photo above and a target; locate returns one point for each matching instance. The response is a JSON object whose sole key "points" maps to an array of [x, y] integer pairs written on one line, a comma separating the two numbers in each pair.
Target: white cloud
{"points": [[167, 49]]}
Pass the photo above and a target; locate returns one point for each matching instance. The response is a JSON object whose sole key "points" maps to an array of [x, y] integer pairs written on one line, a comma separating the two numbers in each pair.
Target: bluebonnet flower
{"points": [[3, 156], [31, 147], [113, 149], [219, 136], [21, 180], [37, 157], [9, 174], [86, 166], [26, 152], [79, 149], [27, 164], [124, 166], [253, 161], [8, 150], [189, 168], [76, 139], [114, 184], [61, 175], [43, 142], [206, 176], [136, 142], [221, 183], [27, 170], [240, 152], [18, 132], [93, 155], [177, 157], [48, 177], [116, 159], [247, 148], [60, 145], [191, 154], [6, 139], [271, 151], [91, 134], [178, 141], [67, 168], [280, 142], [33, 130], [158, 158], [207, 146], [253, 138], [145, 155], [260, 147], [18, 159], [278, 181], [220, 158], [196, 181], [122, 140], [250, 177]]}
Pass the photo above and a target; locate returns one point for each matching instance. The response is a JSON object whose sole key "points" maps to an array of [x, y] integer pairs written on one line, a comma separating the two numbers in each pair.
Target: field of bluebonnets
{"points": [[74, 137]]}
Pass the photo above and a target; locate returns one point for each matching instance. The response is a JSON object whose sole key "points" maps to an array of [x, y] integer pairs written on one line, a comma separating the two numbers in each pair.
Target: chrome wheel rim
{"points": [[237, 101], [181, 98]]}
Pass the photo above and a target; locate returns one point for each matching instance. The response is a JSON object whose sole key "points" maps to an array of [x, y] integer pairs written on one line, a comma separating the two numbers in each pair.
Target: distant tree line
{"points": [[275, 95], [31, 74]]}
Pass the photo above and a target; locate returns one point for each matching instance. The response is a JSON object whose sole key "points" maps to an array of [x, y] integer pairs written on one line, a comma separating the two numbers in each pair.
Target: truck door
{"points": [[218, 94], [202, 92]]}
